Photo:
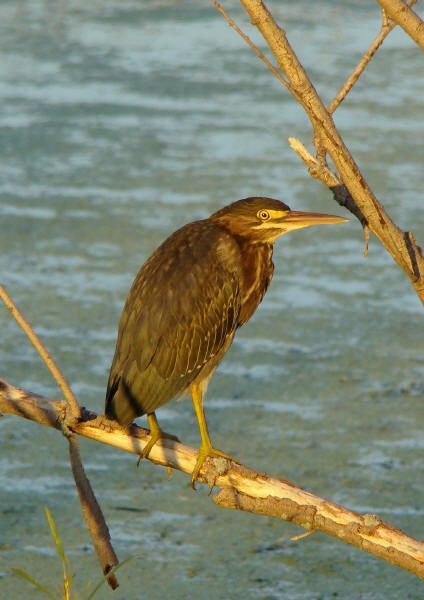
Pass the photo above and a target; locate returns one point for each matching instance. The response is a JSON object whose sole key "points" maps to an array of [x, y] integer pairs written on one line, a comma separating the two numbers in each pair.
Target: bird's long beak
{"points": [[296, 219]]}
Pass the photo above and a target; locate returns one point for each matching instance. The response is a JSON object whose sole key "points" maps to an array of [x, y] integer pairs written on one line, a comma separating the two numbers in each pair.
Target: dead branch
{"points": [[71, 414], [386, 28], [73, 409], [406, 18], [249, 42], [93, 515], [398, 243], [321, 171], [242, 488]]}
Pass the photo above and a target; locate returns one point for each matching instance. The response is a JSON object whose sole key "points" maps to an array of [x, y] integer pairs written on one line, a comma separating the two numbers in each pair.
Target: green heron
{"points": [[185, 305]]}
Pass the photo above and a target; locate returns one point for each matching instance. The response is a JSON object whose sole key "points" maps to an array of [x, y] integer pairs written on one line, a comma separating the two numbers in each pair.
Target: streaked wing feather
{"points": [[181, 310]]}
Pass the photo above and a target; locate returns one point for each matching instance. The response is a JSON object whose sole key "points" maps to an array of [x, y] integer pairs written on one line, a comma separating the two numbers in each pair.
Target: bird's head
{"points": [[265, 219]]}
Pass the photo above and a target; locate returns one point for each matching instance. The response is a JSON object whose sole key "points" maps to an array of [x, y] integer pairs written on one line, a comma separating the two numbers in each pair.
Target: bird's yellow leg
{"points": [[206, 449], [156, 433]]}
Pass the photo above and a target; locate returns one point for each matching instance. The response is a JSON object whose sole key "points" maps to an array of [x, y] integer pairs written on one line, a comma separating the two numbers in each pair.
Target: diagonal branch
{"points": [[249, 42], [404, 16], [386, 28], [408, 255], [242, 487], [66, 418], [73, 408], [320, 171]]}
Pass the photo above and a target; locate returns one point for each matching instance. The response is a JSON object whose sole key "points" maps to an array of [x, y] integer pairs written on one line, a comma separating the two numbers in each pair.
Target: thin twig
{"points": [[252, 45], [353, 78], [73, 408], [316, 169], [321, 171]]}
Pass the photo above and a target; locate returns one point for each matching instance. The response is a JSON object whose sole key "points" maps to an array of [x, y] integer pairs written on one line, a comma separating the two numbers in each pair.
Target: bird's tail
{"points": [[120, 404]]}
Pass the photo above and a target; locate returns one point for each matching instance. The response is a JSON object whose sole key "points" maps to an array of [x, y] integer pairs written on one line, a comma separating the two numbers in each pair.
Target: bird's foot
{"points": [[204, 452], [155, 435]]}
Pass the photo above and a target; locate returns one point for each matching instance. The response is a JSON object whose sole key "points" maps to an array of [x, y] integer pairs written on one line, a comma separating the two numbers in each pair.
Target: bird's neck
{"points": [[258, 269]]}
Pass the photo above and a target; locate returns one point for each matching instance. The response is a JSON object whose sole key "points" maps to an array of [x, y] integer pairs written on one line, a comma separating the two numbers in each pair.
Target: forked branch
{"points": [[321, 171], [401, 245], [241, 487], [406, 18], [71, 414], [386, 28]]}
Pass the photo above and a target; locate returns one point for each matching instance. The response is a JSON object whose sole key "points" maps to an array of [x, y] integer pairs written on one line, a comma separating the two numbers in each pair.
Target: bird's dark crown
{"points": [[249, 207], [256, 218]]}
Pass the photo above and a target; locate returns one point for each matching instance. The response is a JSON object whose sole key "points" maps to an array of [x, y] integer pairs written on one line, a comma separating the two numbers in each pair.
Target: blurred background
{"points": [[121, 121]]}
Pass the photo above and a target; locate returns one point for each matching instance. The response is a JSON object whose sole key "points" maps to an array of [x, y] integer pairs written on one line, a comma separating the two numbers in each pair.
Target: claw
{"points": [[156, 433], [206, 450]]}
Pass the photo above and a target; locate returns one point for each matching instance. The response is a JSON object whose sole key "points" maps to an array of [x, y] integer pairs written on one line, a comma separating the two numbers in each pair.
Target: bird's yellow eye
{"points": [[263, 215]]}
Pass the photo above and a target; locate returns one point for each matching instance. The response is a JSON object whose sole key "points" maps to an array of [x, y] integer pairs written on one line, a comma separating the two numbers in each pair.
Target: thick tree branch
{"points": [[404, 16], [407, 254], [242, 488]]}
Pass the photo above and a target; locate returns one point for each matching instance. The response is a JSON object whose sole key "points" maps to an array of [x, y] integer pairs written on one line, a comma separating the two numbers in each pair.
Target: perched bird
{"points": [[185, 305]]}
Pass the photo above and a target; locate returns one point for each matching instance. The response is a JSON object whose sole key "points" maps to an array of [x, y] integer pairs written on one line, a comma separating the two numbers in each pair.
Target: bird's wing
{"points": [[181, 310]]}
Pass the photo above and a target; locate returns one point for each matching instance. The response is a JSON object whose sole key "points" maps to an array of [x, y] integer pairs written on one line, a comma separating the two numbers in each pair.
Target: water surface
{"points": [[121, 121]]}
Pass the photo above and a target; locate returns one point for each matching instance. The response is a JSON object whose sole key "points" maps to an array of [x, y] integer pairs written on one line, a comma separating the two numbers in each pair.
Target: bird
{"points": [[185, 305]]}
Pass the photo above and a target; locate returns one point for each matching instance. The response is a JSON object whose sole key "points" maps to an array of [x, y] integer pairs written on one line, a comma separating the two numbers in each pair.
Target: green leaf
{"points": [[85, 590], [34, 582], [66, 565], [55, 535]]}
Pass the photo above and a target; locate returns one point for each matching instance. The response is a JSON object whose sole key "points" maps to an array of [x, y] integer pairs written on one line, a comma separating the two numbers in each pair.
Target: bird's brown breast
{"points": [[257, 271]]}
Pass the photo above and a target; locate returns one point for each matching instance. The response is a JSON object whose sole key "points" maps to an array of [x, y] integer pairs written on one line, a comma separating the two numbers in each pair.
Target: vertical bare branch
{"points": [[93, 514]]}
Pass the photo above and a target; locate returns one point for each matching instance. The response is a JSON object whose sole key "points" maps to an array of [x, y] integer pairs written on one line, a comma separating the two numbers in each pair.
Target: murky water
{"points": [[121, 121]]}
